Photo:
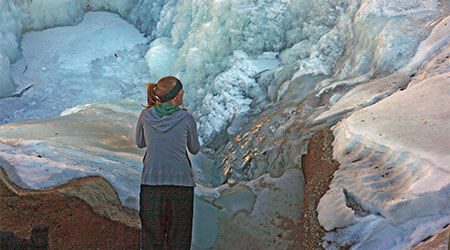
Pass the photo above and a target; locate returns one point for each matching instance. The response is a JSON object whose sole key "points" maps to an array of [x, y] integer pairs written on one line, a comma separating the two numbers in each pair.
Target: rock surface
{"points": [[38, 239], [440, 241], [318, 167], [74, 222]]}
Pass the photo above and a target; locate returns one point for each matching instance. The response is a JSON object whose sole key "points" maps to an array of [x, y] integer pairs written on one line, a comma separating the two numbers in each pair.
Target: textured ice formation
{"points": [[229, 96], [394, 161], [197, 39], [231, 55], [395, 165], [10, 31], [209, 32]]}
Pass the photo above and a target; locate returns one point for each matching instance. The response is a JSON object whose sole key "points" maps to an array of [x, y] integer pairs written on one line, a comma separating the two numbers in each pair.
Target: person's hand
{"points": [[185, 109]]}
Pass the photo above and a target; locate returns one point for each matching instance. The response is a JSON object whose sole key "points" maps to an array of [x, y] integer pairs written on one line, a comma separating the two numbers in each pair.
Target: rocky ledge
{"points": [[83, 214]]}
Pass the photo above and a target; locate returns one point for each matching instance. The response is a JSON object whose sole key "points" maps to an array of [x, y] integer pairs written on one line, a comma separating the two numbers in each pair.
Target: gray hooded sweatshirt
{"points": [[166, 161]]}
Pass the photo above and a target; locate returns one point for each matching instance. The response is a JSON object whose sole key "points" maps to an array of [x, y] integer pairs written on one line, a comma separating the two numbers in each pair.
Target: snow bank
{"points": [[96, 140], [395, 166], [365, 92], [393, 186]]}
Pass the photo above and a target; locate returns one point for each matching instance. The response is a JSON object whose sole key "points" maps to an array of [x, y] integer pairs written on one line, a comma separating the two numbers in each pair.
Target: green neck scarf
{"points": [[166, 109]]}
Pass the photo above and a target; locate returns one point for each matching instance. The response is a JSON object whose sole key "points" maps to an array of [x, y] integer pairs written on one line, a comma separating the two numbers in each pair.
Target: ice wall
{"points": [[43, 14], [10, 31], [197, 40], [339, 39]]}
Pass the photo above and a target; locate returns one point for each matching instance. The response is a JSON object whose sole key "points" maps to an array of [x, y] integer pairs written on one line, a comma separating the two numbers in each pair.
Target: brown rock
{"points": [[39, 236], [440, 240], [318, 168], [58, 219], [38, 240]]}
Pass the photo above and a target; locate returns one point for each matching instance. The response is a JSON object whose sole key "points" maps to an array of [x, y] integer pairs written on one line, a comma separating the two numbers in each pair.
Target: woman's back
{"points": [[166, 161]]}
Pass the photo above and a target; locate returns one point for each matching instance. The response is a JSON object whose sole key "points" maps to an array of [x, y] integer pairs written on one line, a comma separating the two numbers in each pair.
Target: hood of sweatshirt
{"points": [[165, 123]]}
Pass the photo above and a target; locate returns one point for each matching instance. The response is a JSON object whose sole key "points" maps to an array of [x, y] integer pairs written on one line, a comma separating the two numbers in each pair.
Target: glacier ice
{"points": [[195, 40], [236, 58]]}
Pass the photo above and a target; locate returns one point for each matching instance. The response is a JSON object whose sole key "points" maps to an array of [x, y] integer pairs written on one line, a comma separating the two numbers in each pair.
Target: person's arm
{"points": [[140, 138], [192, 140]]}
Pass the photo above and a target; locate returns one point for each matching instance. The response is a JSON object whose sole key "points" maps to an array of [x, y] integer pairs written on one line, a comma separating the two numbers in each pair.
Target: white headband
{"points": [[157, 97]]}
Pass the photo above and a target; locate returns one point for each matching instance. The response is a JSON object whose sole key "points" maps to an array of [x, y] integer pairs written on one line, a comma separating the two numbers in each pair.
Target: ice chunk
{"points": [[7, 85], [10, 32], [161, 57], [332, 213], [232, 92]]}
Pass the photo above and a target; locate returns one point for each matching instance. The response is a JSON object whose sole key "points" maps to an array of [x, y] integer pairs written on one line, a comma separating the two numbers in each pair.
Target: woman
{"points": [[167, 185]]}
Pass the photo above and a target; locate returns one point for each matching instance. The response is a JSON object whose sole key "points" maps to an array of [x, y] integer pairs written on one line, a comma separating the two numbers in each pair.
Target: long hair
{"points": [[154, 91]]}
